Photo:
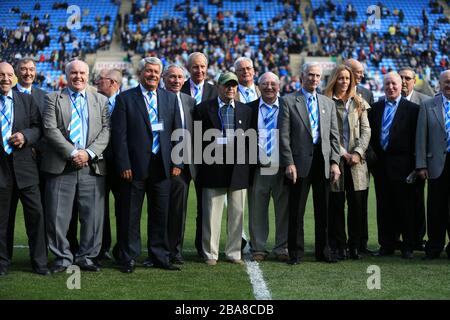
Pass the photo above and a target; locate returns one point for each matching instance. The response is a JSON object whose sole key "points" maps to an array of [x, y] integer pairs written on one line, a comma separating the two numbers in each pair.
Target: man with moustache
{"points": [[433, 163], [26, 74], [198, 87], [393, 123], [19, 176], [174, 77], [142, 124], [76, 127]]}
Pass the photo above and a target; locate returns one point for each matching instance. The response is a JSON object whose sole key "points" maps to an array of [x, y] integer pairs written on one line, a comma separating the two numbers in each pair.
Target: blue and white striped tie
{"points": [[313, 118], [26, 91], [447, 124], [75, 121], [269, 123], [388, 116], [153, 115], [6, 124], [197, 94]]}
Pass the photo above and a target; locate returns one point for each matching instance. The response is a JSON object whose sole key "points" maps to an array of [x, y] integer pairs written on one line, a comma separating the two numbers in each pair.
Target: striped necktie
{"points": [[27, 91], [388, 116], [197, 94], [313, 118], [248, 95], [269, 123], [75, 121], [153, 116], [6, 124], [447, 124]]}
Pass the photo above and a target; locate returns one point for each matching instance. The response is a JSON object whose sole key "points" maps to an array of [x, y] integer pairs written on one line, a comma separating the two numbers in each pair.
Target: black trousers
{"points": [[338, 238], [395, 211], [438, 213], [157, 189], [364, 219], [177, 212], [199, 218], [34, 220], [298, 195]]}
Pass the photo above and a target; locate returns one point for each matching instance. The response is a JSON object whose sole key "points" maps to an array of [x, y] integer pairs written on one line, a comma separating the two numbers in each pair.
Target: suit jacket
{"points": [[188, 108], [209, 90], [27, 120], [234, 176], [57, 116], [397, 162], [419, 98], [366, 94], [258, 94], [296, 145], [359, 138], [132, 136], [431, 138]]}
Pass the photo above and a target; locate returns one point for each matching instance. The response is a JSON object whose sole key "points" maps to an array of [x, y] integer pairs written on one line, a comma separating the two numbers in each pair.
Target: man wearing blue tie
{"points": [[393, 122], [142, 124], [76, 127]]}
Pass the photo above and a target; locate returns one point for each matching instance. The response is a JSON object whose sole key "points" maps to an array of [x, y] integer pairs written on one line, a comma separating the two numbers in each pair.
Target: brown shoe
{"points": [[282, 257], [237, 261], [258, 257], [211, 262]]}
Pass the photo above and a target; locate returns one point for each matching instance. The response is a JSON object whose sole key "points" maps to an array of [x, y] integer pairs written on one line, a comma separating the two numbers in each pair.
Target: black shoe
{"points": [[148, 263], [166, 266], [328, 259], [341, 254], [354, 254], [431, 257], [104, 256], [383, 252], [58, 268], [178, 260], [365, 250], [43, 271], [128, 267], [420, 246], [243, 243], [407, 254], [88, 267], [294, 261], [3, 270]]}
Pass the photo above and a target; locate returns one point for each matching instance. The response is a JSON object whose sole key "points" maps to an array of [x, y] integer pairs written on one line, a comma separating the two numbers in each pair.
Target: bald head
{"points": [[77, 73], [357, 69], [269, 85], [392, 85], [6, 77], [444, 83]]}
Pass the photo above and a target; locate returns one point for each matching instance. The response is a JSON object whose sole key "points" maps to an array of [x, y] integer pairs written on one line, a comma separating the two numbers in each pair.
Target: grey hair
{"points": [[266, 74], [408, 69], [150, 60], [309, 65], [238, 62], [116, 75], [69, 66], [194, 55], [23, 61], [392, 74], [174, 65]]}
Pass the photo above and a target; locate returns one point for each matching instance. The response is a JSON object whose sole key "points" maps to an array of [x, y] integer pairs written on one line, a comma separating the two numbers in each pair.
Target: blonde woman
{"points": [[354, 133]]}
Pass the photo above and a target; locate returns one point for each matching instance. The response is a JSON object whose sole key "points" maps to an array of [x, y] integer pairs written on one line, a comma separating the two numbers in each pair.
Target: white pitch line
{"points": [[260, 289]]}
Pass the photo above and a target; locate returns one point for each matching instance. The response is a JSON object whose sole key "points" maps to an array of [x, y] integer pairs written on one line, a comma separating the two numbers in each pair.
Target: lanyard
{"points": [[4, 115], [270, 114], [74, 103], [243, 94], [147, 104]]}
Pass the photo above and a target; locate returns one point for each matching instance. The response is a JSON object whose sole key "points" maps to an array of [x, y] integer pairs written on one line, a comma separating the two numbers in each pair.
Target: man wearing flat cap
{"points": [[224, 168]]}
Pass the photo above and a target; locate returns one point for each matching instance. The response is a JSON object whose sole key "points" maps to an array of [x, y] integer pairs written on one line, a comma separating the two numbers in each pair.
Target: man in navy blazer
{"points": [[142, 123]]}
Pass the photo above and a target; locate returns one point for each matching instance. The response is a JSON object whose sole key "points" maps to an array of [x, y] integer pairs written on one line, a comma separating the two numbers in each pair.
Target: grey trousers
{"points": [[263, 188], [89, 192]]}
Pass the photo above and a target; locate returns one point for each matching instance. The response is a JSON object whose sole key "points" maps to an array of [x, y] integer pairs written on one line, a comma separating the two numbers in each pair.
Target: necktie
{"points": [[75, 121], [6, 124], [26, 91], [447, 124], [197, 94], [153, 115], [227, 116], [313, 118], [248, 95], [388, 116], [269, 123]]}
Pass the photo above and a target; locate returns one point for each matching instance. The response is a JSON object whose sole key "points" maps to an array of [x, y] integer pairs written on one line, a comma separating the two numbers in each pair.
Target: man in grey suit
{"points": [[408, 82], [26, 74], [309, 145], [19, 177], [247, 91], [76, 127], [433, 163], [174, 77]]}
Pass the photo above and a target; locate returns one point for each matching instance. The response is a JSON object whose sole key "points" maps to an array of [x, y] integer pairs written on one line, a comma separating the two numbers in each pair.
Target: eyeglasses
{"points": [[406, 78]]}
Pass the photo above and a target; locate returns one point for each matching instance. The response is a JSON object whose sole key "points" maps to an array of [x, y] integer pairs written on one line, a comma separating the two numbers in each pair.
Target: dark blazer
{"points": [[209, 90], [27, 120], [38, 96], [366, 94], [234, 176], [188, 109], [398, 161], [132, 136]]}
